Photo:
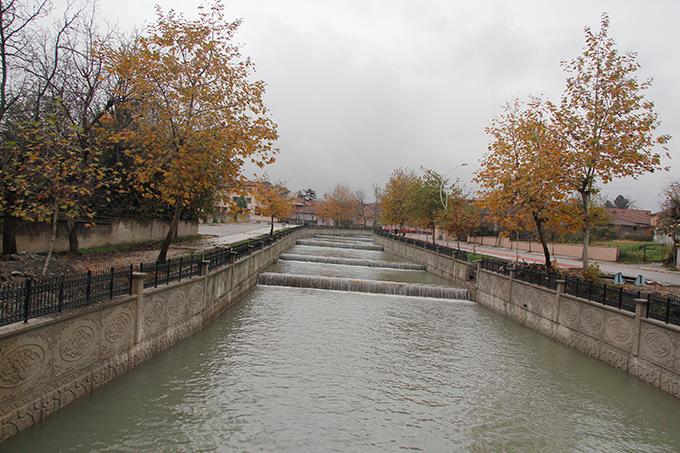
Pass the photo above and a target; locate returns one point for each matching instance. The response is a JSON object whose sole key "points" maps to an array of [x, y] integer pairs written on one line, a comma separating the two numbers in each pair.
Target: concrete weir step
{"points": [[344, 238], [339, 245], [351, 262], [362, 286]]}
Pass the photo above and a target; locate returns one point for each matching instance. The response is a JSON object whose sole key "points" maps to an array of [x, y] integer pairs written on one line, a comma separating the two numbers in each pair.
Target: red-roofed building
{"points": [[633, 223]]}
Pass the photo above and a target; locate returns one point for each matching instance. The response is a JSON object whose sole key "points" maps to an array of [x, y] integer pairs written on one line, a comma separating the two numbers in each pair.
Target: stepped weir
{"points": [[351, 262], [362, 286], [418, 284], [320, 243]]}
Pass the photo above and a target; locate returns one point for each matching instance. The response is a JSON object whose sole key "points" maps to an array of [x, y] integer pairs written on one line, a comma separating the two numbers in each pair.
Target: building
{"points": [[631, 223], [304, 212], [236, 204]]}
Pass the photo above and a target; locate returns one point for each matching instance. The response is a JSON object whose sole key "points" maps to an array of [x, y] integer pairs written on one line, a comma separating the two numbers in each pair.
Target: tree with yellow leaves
{"points": [[273, 200], [460, 216], [197, 115], [393, 201], [607, 125], [522, 178], [340, 206]]}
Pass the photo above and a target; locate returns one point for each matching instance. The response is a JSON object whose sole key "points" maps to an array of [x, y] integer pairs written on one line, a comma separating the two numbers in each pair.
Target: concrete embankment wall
{"points": [[35, 237], [643, 347], [443, 266], [50, 362], [596, 252]]}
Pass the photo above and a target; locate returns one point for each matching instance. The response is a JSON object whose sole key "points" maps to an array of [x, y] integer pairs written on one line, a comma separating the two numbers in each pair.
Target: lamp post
{"points": [[443, 197]]}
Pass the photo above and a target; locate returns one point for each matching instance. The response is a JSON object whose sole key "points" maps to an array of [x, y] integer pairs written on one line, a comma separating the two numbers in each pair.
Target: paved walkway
{"points": [[630, 270], [228, 233]]}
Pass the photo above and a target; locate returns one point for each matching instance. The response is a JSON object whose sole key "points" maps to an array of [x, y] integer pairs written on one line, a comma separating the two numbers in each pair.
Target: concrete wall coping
{"points": [[18, 328], [656, 322]]}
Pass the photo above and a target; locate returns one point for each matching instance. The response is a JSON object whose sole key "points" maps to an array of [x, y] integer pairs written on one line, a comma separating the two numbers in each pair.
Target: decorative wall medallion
{"points": [[618, 331], [153, 315], [76, 342], [118, 326], [591, 321], [657, 344], [21, 364], [196, 294]]}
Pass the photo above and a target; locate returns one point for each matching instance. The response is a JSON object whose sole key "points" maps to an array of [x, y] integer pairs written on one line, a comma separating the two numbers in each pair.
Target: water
{"points": [[372, 273], [291, 369], [343, 253]]}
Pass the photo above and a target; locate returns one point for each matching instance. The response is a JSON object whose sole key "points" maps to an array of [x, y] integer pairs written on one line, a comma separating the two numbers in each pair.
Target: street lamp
{"points": [[443, 197]]}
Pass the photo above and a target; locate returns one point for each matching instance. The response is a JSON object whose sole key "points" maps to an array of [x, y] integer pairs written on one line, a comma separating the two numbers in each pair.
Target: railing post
{"points": [[27, 298], [61, 294], [640, 313], [111, 283], [511, 276], [204, 267], [179, 278], [138, 290], [88, 288], [561, 287]]}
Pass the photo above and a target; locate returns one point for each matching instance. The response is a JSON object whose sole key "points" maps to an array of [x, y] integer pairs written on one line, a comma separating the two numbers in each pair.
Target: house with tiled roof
{"points": [[631, 223]]}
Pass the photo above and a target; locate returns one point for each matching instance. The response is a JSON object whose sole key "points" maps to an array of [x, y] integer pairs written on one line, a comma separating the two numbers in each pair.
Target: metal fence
{"points": [[662, 308], [38, 297], [440, 249]]}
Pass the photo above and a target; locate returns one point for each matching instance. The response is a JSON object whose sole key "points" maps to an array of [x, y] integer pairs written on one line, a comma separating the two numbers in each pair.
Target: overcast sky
{"points": [[359, 88]]}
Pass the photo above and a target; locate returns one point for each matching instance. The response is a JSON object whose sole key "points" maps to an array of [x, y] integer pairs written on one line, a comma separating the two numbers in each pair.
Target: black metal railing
{"points": [[32, 298], [440, 249], [659, 307]]}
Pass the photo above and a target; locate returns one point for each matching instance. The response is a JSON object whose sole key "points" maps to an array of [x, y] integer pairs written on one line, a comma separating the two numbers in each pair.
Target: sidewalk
{"points": [[663, 276]]}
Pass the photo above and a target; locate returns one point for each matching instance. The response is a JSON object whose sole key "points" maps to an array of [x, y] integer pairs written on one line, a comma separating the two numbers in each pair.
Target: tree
{"points": [[460, 217], [340, 206], [606, 123], [378, 196], [669, 220], [360, 195], [274, 201], [423, 201], [307, 194], [393, 202], [197, 115], [622, 202], [29, 58], [522, 179]]}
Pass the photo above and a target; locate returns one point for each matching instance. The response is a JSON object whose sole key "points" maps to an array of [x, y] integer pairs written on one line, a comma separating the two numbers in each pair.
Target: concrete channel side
{"points": [[643, 347], [49, 362]]}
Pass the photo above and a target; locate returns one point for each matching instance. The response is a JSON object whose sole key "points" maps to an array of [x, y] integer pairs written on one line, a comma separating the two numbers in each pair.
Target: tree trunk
{"points": [[271, 230], [163, 254], [9, 235], [585, 205], [73, 245], [9, 227], [53, 239], [434, 239], [541, 237]]}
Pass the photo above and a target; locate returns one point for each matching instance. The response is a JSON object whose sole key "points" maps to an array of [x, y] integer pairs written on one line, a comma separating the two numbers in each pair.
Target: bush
{"points": [[592, 273]]}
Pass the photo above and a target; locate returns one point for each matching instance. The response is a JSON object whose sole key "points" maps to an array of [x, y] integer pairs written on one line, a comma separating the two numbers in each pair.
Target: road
{"points": [[228, 233], [630, 270]]}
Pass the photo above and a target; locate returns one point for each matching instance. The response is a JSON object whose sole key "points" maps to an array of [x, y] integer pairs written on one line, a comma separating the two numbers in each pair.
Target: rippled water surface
{"points": [[308, 370], [291, 369]]}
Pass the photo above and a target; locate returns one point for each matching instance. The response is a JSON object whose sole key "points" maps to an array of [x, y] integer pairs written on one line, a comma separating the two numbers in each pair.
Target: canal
{"points": [[300, 369]]}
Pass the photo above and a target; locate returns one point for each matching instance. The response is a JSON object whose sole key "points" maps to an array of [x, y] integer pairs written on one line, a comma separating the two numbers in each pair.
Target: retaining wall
{"points": [[456, 271], [49, 362], [35, 237], [643, 347], [596, 252]]}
